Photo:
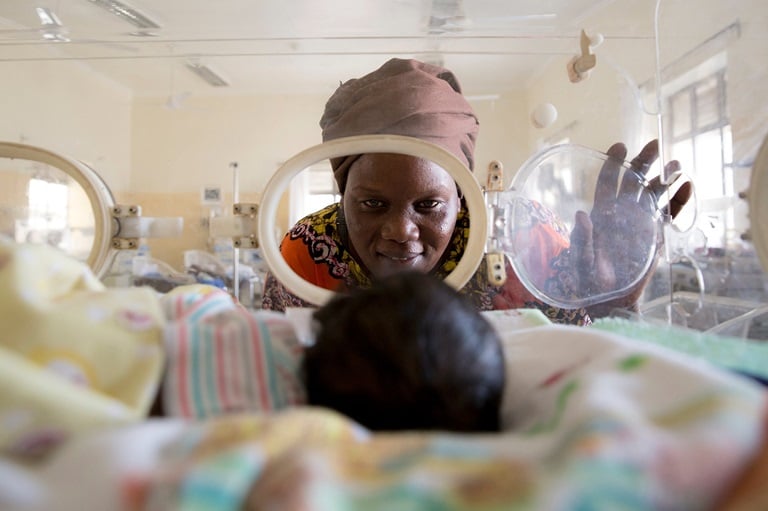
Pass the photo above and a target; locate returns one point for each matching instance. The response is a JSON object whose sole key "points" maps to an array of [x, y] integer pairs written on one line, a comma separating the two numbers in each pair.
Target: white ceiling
{"points": [[302, 46]]}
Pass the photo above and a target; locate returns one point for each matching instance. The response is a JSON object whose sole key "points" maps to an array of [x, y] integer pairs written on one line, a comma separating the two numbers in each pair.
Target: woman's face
{"points": [[400, 212]]}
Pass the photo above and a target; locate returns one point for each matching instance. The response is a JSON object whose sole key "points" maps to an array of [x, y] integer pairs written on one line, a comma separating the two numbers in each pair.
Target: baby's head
{"points": [[407, 353]]}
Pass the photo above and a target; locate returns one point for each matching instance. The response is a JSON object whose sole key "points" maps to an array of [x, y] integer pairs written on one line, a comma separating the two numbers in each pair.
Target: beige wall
{"points": [[161, 158], [192, 147], [175, 153], [66, 108]]}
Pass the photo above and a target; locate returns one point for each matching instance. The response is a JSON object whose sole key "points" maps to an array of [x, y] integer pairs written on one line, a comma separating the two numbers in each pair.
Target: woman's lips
{"points": [[396, 262], [399, 257], [395, 258]]}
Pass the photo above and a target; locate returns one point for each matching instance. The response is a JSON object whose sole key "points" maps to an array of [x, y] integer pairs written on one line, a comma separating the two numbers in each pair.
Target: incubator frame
{"points": [[397, 144]]}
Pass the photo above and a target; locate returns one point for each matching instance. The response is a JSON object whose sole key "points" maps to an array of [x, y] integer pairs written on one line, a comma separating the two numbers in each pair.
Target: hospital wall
{"points": [[162, 158], [65, 107]]}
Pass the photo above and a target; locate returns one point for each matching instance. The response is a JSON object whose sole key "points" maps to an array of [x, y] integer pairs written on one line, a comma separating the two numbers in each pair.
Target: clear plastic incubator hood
{"points": [[500, 220], [701, 90]]}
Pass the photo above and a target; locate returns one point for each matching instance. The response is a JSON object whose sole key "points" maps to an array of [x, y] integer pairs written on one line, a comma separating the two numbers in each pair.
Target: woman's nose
{"points": [[400, 227]]}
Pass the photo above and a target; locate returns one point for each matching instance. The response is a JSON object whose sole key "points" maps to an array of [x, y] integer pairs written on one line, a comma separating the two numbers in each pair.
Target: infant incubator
{"points": [[699, 88], [590, 407]]}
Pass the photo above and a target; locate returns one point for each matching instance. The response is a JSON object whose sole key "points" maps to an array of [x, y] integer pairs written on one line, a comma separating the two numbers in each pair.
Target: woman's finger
{"points": [[608, 179], [582, 248], [633, 181], [643, 161], [660, 184], [671, 172], [680, 198], [657, 188]]}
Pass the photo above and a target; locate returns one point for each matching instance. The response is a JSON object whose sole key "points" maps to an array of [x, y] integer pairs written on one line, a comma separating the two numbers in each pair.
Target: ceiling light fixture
{"points": [[51, 28], [127, 13], [206, 73], [47, 17]]}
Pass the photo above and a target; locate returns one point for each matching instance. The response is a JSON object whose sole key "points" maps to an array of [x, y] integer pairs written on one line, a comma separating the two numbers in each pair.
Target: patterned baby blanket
{"points": [[593, 421]]}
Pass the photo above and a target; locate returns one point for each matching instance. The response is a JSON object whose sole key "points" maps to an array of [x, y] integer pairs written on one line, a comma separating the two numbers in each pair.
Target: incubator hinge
{"points": [[129, 226], [494, 255], [245, 213], [120, 212]]}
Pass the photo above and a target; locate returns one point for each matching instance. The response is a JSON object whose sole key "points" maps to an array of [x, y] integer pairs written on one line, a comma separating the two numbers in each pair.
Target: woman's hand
{"points": [[609, 247]]}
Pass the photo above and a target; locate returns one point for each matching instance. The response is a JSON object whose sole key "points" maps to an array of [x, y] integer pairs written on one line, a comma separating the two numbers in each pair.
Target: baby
{"points": [[407, 353]]}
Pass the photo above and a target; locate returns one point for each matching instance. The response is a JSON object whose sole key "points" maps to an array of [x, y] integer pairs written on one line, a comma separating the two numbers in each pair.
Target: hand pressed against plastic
{"points": [[613, 240], [400, 212]]}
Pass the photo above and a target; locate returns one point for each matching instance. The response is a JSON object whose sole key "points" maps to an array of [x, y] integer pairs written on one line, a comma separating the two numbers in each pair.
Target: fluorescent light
{"points": [[127, 13], [47, 17], [51, 27], [206, 73]]}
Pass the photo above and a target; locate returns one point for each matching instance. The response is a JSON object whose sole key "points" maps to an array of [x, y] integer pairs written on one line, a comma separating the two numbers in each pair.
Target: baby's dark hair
{"points": [[408, 353]]}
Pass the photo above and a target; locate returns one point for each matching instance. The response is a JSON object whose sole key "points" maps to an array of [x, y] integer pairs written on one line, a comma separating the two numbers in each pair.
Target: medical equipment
{"points": [[496, 226], [102, 230], [357, 145], [560, 177]]}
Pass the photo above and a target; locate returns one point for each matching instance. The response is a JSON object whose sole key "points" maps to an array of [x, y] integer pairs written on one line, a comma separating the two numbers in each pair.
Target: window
{"points": [[698, 135], [312, 190], [697, 132], [47, 207], [47, 204]]}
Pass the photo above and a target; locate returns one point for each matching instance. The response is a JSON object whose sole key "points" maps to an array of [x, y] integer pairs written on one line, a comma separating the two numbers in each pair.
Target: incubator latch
{"points": [[495, 181], [496, 270], [580, 66]]}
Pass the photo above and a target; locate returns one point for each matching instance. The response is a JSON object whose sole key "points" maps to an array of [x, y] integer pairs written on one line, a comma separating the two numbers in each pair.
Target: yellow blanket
{"points": [[73, 354]]}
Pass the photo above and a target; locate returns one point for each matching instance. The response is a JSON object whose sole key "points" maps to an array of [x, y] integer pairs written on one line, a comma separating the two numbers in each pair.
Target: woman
{"points": [[400, 212]]}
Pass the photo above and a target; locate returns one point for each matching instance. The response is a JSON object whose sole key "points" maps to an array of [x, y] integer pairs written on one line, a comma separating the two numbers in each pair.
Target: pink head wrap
{"points": [[402, 97]]}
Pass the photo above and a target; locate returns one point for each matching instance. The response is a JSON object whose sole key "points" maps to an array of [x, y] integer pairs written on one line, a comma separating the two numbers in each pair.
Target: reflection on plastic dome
{"points": [[42, 204], [555, 190]]}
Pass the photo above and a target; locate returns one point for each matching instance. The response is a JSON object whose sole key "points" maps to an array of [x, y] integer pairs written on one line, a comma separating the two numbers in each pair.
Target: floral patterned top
{"points": [[316, 249]]}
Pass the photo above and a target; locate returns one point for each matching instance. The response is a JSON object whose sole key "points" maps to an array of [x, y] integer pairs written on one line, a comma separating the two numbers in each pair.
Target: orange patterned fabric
{"points": [[316, 251]]}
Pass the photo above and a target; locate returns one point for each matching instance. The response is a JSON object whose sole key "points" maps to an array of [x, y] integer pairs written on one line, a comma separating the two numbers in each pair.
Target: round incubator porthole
{"points": [[359, 145], [50, 198], [549, 192]]}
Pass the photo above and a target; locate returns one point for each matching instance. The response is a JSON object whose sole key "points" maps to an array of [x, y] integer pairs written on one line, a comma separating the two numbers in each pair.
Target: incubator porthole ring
{"points": [[758, 206], [96, 190], [361, 144]]}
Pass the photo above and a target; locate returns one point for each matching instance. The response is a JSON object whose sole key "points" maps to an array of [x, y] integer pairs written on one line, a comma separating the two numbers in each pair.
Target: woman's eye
{"points": [[429, 204], [373, 203]]}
